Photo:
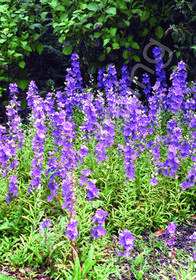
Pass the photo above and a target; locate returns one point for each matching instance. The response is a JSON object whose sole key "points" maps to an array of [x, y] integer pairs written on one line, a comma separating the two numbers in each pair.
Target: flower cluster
{"points": [[126, 239], [99, 218], [72, 231], [171, 228], [178, 89], [192, 179]]}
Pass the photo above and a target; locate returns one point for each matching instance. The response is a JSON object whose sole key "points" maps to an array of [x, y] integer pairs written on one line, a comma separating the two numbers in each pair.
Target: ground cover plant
{"points": [[92, 172]]}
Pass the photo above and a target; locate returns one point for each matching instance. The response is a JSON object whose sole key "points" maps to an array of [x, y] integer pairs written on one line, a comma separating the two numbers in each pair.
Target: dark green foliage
{"points": [[38, 36], [182, 28], [105, 31], [20, 29]]}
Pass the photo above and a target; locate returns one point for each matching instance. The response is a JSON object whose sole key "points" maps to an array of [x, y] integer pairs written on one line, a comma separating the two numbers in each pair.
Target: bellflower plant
{"points": [[103, 145], [124, 82], [73, 84], [178, 89], [38, 117], [99, 218], [147, 89], [171, 228], [72, 231], [10, 147], [126, 240]]}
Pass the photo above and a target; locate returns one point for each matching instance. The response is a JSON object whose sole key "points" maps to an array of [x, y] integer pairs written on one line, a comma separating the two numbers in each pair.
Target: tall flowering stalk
{"points": [[124, 82], [74, 93], [38, 119], [109, 83], [178, 89], [106, 138], [147, 89], [12, 141]]}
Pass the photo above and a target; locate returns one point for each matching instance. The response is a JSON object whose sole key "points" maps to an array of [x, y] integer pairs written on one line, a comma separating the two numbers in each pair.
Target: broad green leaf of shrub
{"points": [[39, 47], [159, 32], [111, 11], [22, 64]]}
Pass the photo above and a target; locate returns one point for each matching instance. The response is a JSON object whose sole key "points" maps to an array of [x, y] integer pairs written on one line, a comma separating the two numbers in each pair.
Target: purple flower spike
{"points": [[72, 232], [126, 240]]}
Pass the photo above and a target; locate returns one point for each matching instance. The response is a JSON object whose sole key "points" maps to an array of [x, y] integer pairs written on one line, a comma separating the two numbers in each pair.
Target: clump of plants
{"points": [[88, 174]]}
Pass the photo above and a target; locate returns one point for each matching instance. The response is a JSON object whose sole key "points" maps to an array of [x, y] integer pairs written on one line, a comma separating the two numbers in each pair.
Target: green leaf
{"points": [[88, 25], [23, 83], [23, 104], [39, 48], [22, 64], [113, 31], [111, 11], [139, 259], [96, 35], [89, 263], [140, 275], [10, 52], [77, 272], [108, 49], [53, 3], [60, 8], [193, 47], [36, 36], [24, 36], [6, 225], [106, 41], [126, 54], [92, 7], [145, 16], [127, 22], [135, 45], [136, 58], [83, 6], [159, 32], [26, 47], [2, 41], [67, 50], [115, 45], [43, 15]]}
